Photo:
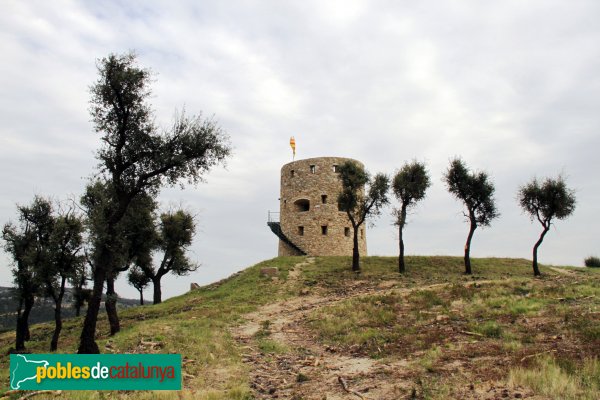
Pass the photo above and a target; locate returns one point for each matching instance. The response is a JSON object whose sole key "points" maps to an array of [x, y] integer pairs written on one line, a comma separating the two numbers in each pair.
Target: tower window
{"points": [[362, 233], [313, 169], [324, 198], [301, 205], [324, 230], [347, 232], [301, 230], [335, 168], [292, 173], [340, 207]]}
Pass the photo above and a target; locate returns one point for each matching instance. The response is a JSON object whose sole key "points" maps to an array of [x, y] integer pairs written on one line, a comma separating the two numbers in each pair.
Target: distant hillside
{"points": [[43, 309], [317, 330]]}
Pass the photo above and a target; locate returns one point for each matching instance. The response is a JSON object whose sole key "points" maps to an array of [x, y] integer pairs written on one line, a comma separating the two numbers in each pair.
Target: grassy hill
{"points": [[319, 331]]}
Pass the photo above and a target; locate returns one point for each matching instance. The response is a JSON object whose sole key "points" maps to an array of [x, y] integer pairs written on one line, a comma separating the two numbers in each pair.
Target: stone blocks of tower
{"points": [[309, 213]]}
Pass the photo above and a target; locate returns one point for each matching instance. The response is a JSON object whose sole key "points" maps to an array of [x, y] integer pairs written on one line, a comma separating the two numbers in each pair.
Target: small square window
{"points": [[292, 173], [313, 169], [324, 198], [301, 230], [347, 232], [335, 168], [324, 230]]}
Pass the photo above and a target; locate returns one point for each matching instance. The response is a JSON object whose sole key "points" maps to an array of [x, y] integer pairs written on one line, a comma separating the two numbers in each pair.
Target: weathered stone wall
{"points": [[287, 250], [322, 230]]}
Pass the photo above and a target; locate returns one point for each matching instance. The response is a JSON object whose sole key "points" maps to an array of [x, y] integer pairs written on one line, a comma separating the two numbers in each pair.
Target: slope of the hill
{"points": [[318, 331]]}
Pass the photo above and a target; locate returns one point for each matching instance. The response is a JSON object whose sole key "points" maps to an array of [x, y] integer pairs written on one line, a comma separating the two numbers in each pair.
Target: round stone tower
{"points": [[310, 220]]}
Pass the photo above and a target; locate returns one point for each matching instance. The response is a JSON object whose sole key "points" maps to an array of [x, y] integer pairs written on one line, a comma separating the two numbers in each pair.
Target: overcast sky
{"points": [[512, 87]]}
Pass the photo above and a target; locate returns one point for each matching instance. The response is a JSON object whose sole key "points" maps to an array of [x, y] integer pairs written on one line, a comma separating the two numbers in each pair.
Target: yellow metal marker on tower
{"points": [[293, 146]]}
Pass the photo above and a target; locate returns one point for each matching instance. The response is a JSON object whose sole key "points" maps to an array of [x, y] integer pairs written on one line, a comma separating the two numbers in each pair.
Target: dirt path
{"points": [[308, 370], [562, 271], [303, 368]]}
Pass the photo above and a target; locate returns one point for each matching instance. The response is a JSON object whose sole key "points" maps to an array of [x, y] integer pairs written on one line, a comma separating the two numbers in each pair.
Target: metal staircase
{"points": [[275, 225]]}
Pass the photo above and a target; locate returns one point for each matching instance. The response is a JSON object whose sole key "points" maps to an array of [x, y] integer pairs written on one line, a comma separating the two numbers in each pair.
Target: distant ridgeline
{"points": [[43, 310]]}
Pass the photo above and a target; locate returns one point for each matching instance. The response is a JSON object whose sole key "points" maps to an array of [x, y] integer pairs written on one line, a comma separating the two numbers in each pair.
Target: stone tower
{"points": [[309, 220]]}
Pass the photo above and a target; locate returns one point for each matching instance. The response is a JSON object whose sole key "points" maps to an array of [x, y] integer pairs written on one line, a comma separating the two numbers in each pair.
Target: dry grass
{"points": [[421, 317], [196, 325], [548, 378]]}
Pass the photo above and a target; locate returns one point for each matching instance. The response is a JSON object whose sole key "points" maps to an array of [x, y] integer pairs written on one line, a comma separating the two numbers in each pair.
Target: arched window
{"points": [[302, 205]]}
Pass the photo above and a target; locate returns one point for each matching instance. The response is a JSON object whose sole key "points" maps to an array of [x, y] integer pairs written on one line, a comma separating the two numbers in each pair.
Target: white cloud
{"points": [[510, 86]]}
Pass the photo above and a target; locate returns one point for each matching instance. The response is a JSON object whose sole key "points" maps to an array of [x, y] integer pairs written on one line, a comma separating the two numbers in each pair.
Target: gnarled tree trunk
{"points": [[22, 330], [536, 270], [401, 265], [472, 228], [58, 315], [87, 342], [157, 289], [355, 252], [57, 328], [78, 308], [111, 305]]}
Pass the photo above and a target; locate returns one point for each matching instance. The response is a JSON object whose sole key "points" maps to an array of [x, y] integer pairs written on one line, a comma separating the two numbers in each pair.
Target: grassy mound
{"points": [[433, 316]]}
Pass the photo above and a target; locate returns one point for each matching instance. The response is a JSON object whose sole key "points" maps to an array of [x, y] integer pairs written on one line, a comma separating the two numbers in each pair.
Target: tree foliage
{"points": [[81, 294], [65, 260], [139, 280], [546, 201], [135, 237], [476, 191], [409, 185], [27, 244], [136, 158], [45, 249], [175, 233], [358, 205]]}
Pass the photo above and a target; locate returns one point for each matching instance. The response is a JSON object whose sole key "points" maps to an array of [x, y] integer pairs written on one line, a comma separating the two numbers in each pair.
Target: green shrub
{"points": [[592, 262], [268, 346], [430, 358], [490, 329], [425, 299]]}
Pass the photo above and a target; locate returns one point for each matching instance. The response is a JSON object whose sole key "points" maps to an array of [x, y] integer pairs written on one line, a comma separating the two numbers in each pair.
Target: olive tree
{"points": [[64, 261], [45, 247], [81, 294], [476, 191], [546, 201], [137, 238], [136, 157], [175, 233], [139, 280], [409, 185], [27, 242], [358, 204]]}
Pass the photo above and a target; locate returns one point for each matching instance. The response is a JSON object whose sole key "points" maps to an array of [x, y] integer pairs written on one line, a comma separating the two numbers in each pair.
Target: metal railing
{"points": [[273, 216]]}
